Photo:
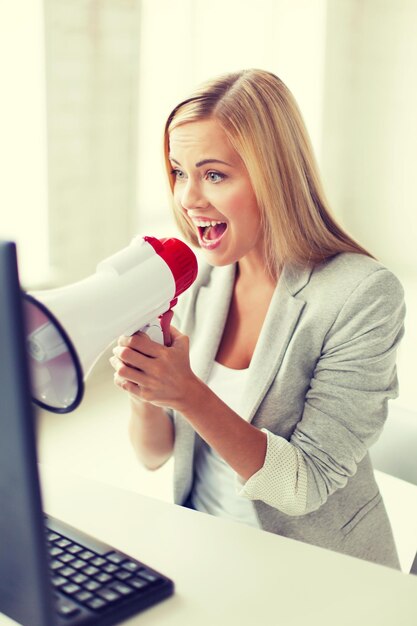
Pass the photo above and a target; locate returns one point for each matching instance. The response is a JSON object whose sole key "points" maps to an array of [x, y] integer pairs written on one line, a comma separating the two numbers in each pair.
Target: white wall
{"points": [[92, 73], [370, 124], [68, 112], [369, 157], [23, 176]]}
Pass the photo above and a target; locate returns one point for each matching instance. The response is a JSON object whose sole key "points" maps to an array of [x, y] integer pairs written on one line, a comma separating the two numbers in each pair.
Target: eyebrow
{"points": [[203, 162]]}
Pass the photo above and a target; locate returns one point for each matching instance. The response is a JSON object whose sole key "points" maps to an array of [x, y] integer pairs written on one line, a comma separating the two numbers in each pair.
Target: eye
{"points": [[215, 177], [178, 174]]}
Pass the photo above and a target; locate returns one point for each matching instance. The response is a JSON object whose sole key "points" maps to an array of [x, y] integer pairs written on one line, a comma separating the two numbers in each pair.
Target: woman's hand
{"points": [[160, 375]]}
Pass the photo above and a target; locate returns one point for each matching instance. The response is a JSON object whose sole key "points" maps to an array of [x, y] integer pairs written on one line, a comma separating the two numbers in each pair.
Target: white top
{"points": [[215, 483], [218, 490]]}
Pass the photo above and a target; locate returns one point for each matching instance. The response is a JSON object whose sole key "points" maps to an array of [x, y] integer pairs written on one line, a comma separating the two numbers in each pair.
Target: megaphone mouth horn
{"points": [[41, 321], [69, 327]]}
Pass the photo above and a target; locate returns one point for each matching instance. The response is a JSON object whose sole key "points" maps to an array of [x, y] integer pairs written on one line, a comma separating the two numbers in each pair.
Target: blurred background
{"points": [[86, 86]]}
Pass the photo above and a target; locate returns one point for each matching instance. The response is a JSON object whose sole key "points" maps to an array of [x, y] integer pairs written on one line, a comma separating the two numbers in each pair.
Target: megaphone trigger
{"points": [[159, 329], [154, 331]]}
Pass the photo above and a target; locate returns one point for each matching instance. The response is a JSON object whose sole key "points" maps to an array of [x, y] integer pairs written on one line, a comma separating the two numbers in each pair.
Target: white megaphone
{"points": [[69, 328]]}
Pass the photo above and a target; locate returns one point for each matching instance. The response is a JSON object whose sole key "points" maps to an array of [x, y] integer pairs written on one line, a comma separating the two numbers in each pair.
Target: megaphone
{"points": [[68, 328]]}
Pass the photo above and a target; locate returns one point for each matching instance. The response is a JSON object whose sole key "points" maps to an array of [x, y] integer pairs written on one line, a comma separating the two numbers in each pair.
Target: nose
{"points": [[192, 196]]}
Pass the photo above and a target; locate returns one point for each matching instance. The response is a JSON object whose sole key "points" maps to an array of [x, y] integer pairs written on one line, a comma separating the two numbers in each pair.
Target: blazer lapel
{"points": [[212, 310], [279, 325]]}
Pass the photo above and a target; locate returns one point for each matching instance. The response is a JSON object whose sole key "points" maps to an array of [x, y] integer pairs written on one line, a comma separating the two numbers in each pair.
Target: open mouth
{"points": [[211, 232]]}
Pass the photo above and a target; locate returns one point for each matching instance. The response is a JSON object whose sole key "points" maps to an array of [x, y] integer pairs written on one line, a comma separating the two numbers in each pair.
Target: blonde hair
{"points": [[261, 119]]}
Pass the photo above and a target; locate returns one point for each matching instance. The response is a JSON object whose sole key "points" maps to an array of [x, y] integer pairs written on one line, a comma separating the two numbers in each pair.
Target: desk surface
{"points": [[225, 573], [228, 573]]}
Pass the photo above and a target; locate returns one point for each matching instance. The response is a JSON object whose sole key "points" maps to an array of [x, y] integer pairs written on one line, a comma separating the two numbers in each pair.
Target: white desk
{"points": [[226, 574], [231, 574]]}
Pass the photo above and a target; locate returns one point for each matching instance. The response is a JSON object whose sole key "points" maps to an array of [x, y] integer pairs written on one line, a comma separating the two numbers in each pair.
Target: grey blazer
{"points": [[321, 376]]}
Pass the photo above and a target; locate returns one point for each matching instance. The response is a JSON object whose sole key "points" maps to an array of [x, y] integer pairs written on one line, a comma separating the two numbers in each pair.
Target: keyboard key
{"points": [[67, 571], [83, 596], [123, 575], [86, 555], [67, 608], [138, 583], [71, 589], [103, 577], [108, 594], [98, 561], [58, 581], [78, 564], [74, 549], [92, 585], [111, 568], [55, 551], [79, 579], [115, 557], [96, 604], [131, 566], [52, 536], [90, 570], [147, 575], [124, 590], [66, 558]]}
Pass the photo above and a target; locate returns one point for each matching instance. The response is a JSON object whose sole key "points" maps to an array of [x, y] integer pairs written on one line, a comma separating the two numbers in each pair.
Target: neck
{"points": [[254, 272]]}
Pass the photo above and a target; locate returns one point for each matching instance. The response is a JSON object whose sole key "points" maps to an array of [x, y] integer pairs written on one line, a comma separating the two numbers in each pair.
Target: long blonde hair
{"points": [[261, 119]]}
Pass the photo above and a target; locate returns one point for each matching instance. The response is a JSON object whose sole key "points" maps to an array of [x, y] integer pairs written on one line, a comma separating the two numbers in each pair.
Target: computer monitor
{"points": [[50, 574], [24, 594]]}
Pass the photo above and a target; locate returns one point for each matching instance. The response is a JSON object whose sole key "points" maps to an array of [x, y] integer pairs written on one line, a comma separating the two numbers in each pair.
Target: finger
{"points": [[132, 358], [120, 382], [179, 341], [175, 334], [128, 373], [127, 385], [141, 343], [174, 331]]}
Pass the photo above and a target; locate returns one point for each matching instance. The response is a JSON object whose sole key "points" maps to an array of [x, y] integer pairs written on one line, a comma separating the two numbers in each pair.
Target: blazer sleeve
{"points": [[355, 376]]}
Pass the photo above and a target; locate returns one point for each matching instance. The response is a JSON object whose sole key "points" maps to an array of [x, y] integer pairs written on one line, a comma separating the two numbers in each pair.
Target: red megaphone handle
{"points": [[165, 321]]}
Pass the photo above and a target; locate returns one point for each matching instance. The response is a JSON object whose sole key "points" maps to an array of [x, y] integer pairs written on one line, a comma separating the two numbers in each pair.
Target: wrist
{"points": [[135, 403], [195, 390]]}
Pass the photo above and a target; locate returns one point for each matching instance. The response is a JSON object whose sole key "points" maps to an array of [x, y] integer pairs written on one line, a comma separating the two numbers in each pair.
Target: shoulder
{"points": [[349, 273], [352, 286]]}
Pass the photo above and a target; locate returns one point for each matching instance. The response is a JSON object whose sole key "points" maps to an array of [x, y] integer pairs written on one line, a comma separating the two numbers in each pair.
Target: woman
{"points": [[293, 329]]}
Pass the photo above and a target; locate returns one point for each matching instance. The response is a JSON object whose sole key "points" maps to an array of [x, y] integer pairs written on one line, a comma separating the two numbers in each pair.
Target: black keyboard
{"points": [[95, 584]]}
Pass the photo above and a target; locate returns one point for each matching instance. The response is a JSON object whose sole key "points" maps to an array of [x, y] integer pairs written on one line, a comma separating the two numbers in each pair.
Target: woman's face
{"points": [[212, 189]]}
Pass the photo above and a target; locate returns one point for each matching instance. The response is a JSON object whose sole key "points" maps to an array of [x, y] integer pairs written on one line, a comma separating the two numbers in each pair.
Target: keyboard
{"points": [[95, 584]]}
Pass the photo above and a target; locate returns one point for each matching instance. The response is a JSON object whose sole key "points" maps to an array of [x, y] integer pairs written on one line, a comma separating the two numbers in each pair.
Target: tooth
{"points": [[205, 224]]}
